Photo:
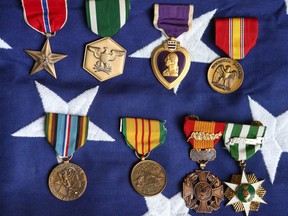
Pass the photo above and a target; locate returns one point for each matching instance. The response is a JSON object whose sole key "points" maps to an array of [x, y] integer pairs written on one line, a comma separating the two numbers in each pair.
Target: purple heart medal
{"points": [[171, 62]]}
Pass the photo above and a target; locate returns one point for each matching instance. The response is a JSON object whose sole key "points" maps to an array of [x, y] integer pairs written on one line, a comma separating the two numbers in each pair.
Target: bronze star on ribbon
{"points": [[45, 59]]}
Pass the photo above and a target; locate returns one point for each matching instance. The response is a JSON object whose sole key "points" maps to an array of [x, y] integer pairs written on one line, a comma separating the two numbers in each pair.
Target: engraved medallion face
{"points": [[170, 63], [202, 191], [245, 193], [67, 181], [225, 75], [148, 178], [104, 59]]}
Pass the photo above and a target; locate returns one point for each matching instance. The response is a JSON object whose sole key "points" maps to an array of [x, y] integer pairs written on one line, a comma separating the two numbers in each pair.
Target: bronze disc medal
{"points": [[67, 181], [170, 63], [148, 178], [225, 75]]}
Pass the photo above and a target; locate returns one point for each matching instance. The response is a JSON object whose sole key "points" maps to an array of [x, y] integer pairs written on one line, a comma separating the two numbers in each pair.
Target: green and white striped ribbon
{"points": [[106, 17], [243, 141]]}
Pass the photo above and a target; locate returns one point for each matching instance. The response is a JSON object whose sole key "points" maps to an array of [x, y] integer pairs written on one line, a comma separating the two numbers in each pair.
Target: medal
{"points": [[243, 141], [46, 19], [66, 134], [148, 177], [202, 191], [104, 58], [236, 37], [171, 62]]}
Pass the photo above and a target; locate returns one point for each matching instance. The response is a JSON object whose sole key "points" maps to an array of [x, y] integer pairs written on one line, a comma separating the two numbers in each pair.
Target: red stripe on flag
{"points": [[149, 134], [251, 34], [68, 134], [143, 131], [136, 134], [222, 34]]}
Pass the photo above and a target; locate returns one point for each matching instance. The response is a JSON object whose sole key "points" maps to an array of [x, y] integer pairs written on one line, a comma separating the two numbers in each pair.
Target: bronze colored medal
{"points": [[202, 191], [225, 75], [170, 63], [67, 181], [148, 178], [104, 59]]}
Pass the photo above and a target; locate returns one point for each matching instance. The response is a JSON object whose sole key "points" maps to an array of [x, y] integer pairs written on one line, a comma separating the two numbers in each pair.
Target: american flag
{"points": [[26, 158]]}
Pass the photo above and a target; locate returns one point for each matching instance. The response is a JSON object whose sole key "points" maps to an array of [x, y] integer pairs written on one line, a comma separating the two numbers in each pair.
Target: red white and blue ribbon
{"points": [[45, 16]]}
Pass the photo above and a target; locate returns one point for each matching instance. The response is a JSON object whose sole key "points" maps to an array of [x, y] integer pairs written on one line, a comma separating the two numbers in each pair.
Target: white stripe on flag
{"points": [[228, 135], [242, 146], [259, 134], [122, 12], [93, 16]]}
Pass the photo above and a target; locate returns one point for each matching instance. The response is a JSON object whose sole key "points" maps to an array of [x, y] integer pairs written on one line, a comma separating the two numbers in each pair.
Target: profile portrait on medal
{"points": [[171, 62], [104, 56], [223, 77]]}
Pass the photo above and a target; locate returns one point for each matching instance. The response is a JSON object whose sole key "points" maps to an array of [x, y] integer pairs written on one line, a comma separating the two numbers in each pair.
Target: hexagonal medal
{"points": [[104, 59]]}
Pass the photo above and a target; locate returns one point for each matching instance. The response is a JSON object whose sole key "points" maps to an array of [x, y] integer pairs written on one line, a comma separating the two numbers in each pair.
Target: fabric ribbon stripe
{"points": [[143, 135], [242, 151], [66, 133], [203, 126], [105, 18], [236, 36], [173, 20], [45, 16]]}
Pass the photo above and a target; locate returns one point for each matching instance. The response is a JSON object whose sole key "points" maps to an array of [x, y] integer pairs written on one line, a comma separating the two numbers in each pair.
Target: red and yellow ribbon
{"points": [[203, 134], [236, 36], [143, 135]]}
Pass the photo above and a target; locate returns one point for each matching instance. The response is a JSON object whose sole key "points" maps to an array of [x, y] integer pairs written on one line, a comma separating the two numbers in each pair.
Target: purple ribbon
{"points": [[172, 19]]}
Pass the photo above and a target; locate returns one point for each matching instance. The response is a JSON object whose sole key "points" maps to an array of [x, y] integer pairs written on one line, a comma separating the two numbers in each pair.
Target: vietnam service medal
{"points": [[148, 177], [171, 62]]}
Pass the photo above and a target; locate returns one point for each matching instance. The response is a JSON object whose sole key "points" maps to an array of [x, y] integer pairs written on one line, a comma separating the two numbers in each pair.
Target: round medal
{"points": [[170, 63], [202, 191], [225, 75], [148, 178], [67, 181]]}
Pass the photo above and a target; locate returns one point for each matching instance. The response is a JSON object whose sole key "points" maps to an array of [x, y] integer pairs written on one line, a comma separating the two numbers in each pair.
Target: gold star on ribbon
{"points": [[245, 195], [45, 59]]}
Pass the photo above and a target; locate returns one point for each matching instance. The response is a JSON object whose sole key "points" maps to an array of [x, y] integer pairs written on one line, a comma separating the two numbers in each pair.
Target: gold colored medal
{"points": [[148, 178], [67, 181], [104, 59], [170, 63], [225, 75]]}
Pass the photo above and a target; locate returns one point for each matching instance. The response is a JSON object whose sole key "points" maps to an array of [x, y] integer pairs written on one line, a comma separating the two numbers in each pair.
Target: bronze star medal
{"points": [[45, 59], [46, 19]]}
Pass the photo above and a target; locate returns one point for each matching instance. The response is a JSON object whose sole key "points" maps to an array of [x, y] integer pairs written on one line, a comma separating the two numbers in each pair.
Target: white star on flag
{"points": [[53, 103], [159, 205], [4, 45], [275, 140]]}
